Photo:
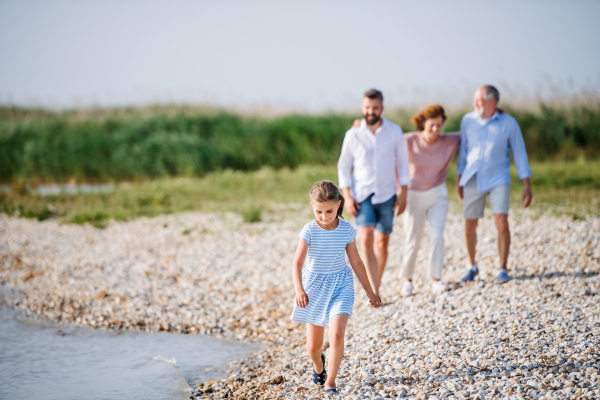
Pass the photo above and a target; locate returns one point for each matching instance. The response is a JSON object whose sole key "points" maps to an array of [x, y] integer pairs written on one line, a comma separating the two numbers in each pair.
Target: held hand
{"points": [[352, 206], [301, 298], [374, 300], [401, 204], [356, 123], [527, 196], [461, 191]]}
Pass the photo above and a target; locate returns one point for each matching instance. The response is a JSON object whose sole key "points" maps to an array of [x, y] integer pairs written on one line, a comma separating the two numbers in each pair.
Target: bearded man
{"points": [[372, 156]]}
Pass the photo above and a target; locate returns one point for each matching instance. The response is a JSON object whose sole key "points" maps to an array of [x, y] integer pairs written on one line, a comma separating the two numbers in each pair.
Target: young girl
{"points": [[325, 288]]}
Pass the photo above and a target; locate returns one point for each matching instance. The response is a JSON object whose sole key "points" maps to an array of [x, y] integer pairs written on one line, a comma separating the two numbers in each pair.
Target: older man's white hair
{"points": [[489, 92]]}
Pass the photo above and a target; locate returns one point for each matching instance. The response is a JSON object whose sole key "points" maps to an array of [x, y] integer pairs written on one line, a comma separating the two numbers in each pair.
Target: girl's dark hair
{"points": [[324, 191]]}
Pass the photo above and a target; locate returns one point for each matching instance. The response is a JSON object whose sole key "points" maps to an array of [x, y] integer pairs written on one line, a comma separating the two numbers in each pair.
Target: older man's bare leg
{"points": [[471, 239], [471, 242], [503, 239]]}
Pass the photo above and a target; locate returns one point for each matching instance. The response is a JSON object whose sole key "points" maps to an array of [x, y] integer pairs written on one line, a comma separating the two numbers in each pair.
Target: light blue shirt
{"points": [[484, 150]]}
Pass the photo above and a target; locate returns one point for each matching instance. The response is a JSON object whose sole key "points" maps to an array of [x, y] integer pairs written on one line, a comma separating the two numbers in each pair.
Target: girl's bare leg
{"points": [[314, 344], [337, 330]]}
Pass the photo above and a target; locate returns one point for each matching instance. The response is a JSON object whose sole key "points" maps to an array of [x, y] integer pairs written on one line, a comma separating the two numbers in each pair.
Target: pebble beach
{"points": [[535, 337]]}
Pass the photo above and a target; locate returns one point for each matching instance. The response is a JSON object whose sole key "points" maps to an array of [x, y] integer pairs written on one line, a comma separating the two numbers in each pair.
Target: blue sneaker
{"points": [[503, 276], [470, 274]]}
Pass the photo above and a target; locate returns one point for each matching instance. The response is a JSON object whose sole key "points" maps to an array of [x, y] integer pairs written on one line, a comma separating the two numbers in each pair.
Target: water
{"points": [[42, 360], [64, 189], [55, 190]]}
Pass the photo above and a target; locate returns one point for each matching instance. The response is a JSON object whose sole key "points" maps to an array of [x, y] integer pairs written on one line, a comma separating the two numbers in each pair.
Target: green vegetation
{"points": [[47, 147], [132, 144], [249, 194], [251, 214], [571, 188], [559, 188], [170, 159]]}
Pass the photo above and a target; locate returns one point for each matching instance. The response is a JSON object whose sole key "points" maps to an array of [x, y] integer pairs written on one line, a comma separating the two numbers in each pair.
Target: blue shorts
{"points": [[381, 216]]}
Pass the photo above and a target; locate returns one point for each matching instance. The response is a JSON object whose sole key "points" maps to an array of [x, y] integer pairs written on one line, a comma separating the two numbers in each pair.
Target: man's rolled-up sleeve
{"points": [[402, 161], [517, 145], [346, 162], [462, 150]]}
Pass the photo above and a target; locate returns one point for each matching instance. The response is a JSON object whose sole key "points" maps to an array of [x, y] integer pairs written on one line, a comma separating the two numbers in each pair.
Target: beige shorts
{"points": [[474, 202]]}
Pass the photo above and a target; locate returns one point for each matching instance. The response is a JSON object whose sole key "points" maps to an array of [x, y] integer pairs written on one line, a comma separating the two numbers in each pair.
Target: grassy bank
{"points": [[571, 188], [133, 144]]}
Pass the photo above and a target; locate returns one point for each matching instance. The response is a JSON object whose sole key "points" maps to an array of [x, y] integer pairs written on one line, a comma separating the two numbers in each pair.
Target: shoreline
{"points": [[211, 273], [193, 373]]}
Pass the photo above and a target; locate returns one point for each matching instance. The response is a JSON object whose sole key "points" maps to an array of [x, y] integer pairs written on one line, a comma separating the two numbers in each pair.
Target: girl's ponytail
{"points": [[341, 209]]}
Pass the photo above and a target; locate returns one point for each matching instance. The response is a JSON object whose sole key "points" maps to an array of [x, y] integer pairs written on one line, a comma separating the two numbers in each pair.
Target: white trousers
{"points": [[431, 205]]}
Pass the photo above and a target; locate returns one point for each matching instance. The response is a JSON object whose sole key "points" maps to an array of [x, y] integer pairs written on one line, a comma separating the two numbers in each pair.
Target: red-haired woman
{"points": [[429, 155]]}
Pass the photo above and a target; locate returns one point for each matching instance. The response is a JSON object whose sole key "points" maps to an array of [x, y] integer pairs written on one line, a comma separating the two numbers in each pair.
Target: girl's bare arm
{"points": [[361, 273], [301, 296]]}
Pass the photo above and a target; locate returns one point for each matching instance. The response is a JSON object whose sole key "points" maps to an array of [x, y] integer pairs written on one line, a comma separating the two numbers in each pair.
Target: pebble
{"points": [[537, 336]]}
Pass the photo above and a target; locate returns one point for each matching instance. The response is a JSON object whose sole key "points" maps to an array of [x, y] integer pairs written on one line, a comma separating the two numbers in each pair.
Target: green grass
{"points": [[559, 188], [571, 188], [251, 214], [249, 194], [137, 144]]}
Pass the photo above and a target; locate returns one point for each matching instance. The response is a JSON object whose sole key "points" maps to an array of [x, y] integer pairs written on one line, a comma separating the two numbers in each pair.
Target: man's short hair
{"points": [[374, 94], [490, 91]]}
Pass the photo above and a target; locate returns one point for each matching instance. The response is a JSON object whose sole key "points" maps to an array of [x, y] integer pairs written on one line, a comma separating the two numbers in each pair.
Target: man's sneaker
{"points": [[503, 276], [470, 274], [438, 287], [407, 289]]}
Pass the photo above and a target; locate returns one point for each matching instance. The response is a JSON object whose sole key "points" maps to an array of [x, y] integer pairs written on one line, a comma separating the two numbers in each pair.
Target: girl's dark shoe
{"points": [[319, 379], [332, 391]]}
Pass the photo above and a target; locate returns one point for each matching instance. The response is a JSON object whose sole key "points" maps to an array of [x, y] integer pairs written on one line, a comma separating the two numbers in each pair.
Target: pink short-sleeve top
{"points": [[428, 165]]}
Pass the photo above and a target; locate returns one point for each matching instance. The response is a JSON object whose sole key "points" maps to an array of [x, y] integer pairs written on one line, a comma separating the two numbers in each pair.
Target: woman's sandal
{"points": [[319, 379]]}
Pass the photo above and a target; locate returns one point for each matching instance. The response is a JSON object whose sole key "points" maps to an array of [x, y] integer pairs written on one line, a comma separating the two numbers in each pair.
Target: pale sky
{"points": [[291, 55]]}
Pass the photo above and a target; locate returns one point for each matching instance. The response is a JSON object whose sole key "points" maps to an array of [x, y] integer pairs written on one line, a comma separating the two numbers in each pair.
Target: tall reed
{"points": [[126, 144]]}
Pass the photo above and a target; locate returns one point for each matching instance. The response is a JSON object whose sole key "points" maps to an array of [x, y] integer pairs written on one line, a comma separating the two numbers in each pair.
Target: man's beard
{"points": [[372, 119], [479, 111]]}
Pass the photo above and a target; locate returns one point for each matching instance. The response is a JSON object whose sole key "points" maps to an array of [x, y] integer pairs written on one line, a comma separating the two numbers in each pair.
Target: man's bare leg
{"points": [[503, 239], [471, 239], [382, 242], [367, 238]]}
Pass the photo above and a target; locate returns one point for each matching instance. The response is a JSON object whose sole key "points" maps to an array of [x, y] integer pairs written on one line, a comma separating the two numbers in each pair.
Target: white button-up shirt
{"points": [[376, 159]]}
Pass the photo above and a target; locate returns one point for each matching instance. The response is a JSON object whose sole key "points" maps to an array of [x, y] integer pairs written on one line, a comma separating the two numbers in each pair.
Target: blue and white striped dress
{"points": [[326, 278]]}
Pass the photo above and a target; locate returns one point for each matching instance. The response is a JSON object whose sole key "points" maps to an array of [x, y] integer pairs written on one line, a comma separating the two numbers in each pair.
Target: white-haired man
{"points": [[487, 135]]}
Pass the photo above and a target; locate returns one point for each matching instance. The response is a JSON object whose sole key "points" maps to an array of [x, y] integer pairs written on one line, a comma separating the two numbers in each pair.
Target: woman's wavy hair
{"points": [[324, 191], [431, 111]]}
